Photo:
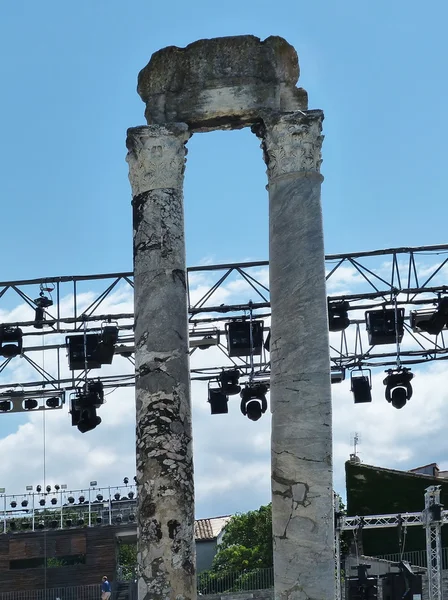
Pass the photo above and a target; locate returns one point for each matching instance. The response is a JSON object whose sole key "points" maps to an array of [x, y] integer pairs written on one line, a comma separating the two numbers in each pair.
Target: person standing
{"points": [[105, 589]]}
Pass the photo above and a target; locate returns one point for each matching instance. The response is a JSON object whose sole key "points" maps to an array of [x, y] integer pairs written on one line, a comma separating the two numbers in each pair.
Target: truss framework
{"points": [[413, 278]]}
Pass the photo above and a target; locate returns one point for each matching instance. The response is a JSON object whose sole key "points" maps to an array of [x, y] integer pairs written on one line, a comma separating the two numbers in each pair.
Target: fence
{"points": [[208, 583], [416, 557]]}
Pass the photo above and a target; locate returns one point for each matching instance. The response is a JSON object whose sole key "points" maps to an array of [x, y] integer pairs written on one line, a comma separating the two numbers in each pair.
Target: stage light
{"points": [[41, 303], [30, 404], [42, 501], [99, 497], [53, 402], [437, 321], [81, 499], [48, 488], [239, 337], [131, 495], [382, 328], [57, 487], [70, 500], [5, 405], [24, 503], [361, 386], [218, 401], [338, 315], [10, 341], [38, 488], [117, 496], [13, 504], [54, 500], [398, 386], [337, 375], [135, 478], [229, 382], [126, 480], [253, 400], [83, 351], [84, 405]]}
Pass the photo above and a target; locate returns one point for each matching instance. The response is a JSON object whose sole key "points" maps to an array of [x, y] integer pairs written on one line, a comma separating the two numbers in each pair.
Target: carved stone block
{"points": [[221, 83]]}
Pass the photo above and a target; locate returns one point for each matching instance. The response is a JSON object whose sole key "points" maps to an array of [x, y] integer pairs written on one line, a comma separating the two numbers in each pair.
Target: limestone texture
{"points": [[165, 541], [301, 441], [221, 83]]}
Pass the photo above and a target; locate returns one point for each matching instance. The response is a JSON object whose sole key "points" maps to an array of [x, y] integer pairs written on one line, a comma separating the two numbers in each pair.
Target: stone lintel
{"points": [[221, 83]]}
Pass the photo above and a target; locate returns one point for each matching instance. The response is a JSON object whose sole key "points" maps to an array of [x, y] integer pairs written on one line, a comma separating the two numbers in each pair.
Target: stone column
{"points": [[302, 490], [165, 539]]}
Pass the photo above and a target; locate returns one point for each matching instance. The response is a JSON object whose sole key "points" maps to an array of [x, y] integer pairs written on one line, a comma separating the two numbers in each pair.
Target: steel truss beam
{"points": [[413, 278]]}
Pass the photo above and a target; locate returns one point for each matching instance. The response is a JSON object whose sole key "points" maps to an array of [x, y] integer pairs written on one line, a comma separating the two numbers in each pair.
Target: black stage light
{"points": [[54, 500], [24, 503], [70, 500], [88, 420], [42, 501], [48, 488], [229, 382], [81, 499], [38, 488], [238, 337], [398, 386], [361, 387], [337, 374], [30, 404], [41, 303], [5, 405], [117, 496], [53, 402], [218, 401], [131, 495], [381, 326], [253, 400], [13, 504], [84, 405], [99, 497], [437, 320], [10, 341], [109, 335], [57, 487], [338, 315], [267, 343], [83, 352], [126, 480]]}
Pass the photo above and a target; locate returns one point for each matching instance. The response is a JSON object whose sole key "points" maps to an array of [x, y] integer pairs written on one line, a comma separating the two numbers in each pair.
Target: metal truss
{"points": [[413, 278], [432, 518]]}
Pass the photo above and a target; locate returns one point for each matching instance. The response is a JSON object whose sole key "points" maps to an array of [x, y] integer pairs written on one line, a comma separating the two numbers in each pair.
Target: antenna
{"points": [[355, 439]]}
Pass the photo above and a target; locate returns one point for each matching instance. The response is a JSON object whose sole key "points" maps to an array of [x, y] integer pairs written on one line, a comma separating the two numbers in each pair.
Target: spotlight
{"points": [[10, 341], [42, 501], [81, 499], [38, 489], [24, 503], [57, 487], [337, 374], [398, 386], [338, 315], [53, 402], [229, 382], [126, 480], [135, 478], [5, 405], [41, 303], [84, 405], [54, 500], [437, 321], [70, 500], [239, 337], [117, 496], [30, 404], [131, 495], [218, 401], [361, 387], [99, 497], [92, 350], [253, 400], [13, 504], [48, 488], [382, 328]]}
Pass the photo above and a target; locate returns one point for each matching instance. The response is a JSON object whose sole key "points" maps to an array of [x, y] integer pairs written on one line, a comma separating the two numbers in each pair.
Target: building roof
{"points": [[209, 529]]}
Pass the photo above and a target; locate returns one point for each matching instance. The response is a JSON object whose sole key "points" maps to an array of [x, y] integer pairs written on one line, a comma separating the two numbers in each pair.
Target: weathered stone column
{"points": [[165, 540], [302, 494]]}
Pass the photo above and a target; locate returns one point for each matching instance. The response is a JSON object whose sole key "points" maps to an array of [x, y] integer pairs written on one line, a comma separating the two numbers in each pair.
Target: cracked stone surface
{"points": [[221, 83], [166, 551], [302, 507]]}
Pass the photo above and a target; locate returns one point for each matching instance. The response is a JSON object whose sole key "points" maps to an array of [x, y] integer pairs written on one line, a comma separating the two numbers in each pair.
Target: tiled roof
{"points": [[209, 529]]}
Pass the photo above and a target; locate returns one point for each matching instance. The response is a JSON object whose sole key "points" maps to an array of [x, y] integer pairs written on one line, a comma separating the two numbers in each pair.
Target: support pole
{"points": [[302, 490], [165, 516]]}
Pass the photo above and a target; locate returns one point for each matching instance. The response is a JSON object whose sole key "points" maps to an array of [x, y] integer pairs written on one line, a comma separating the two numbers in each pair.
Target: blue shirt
{"points": [[105, 586]]}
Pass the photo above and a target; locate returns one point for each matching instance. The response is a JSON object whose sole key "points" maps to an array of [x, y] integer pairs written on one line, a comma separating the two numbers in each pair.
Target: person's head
{"points": [[104, 578]]}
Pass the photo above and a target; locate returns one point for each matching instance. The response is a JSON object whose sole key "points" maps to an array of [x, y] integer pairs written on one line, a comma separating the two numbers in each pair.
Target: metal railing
{"points": [[235, 581], [415, 557]]}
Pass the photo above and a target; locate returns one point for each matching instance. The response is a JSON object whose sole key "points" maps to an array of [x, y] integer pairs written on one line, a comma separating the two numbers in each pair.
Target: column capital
{"points": [[291, 142], [156, 156]]}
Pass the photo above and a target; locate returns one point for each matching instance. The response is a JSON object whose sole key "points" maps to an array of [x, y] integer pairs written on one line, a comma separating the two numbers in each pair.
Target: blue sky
{"points": [[69, 73]]}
